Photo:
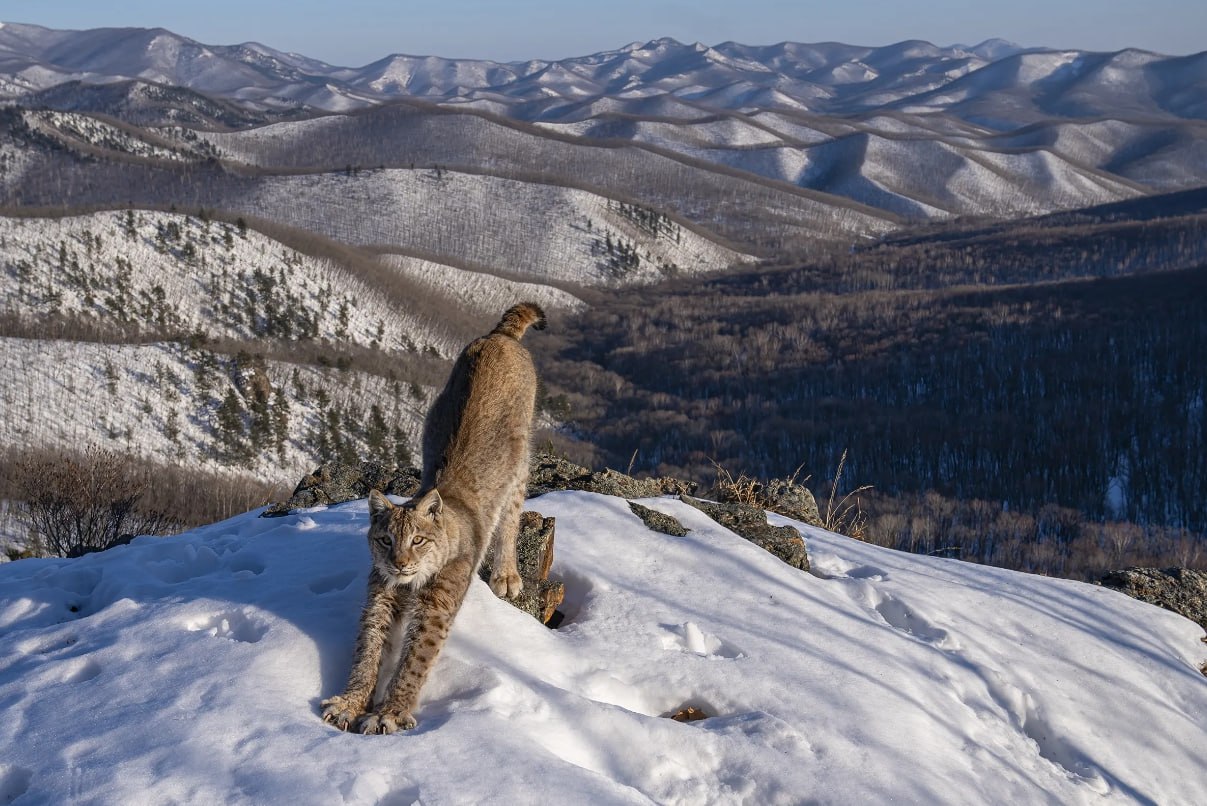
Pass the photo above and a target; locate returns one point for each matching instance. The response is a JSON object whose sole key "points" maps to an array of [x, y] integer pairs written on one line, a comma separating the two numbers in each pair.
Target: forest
{"points": [[1000, 390]]}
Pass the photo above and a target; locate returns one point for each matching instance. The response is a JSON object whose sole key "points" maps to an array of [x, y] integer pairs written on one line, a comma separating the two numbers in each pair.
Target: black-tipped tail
{"points": [[519, 318]]}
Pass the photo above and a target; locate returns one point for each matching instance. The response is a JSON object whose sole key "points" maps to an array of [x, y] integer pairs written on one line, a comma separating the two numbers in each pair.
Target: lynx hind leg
{"points": [[505, 573]]}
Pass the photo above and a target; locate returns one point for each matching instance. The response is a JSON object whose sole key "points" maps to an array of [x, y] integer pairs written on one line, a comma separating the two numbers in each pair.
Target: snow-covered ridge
{"points": [[172, 276], [830, 78], [534, 232], [172, 273], [880, 677], [851, 121], [85, 130], [163, 402]]}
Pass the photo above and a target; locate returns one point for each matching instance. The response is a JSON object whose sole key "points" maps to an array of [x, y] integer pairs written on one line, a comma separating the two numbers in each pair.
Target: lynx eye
{"points": [[384, 540], [419, 540]]}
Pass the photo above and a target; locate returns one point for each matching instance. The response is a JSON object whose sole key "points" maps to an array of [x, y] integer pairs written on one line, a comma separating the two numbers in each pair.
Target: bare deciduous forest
{"points": [[1029, 396]]}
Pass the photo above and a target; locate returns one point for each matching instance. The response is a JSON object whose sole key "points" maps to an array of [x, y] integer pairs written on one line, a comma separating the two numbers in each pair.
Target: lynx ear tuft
{"points": [[378, 503], [431, 504]]}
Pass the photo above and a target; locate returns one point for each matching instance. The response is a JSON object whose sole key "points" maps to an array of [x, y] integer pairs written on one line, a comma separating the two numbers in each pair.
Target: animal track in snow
{"points": [[181, 562], [80, 583], [899, 615], [246, 566], [234, 625], [84, 670], [51, 647], [688, 637], [830, 566], [332, 582], [14, 782], [1028, 717]]}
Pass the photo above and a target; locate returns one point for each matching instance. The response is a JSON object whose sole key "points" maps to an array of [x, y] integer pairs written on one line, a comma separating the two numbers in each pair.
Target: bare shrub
{"points": [[88, 502], [191, 497]]}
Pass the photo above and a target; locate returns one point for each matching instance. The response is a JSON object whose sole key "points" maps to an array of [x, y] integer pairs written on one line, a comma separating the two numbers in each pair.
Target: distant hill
{"points": [[912, 129]]}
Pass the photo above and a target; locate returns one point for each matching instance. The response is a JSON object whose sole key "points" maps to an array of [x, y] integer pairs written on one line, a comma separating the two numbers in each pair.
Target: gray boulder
{"points": [[751, 523], [790, 500], [548, 473], [335, 483], [534, 556], [658, 521], [782, 496], [1182, 590]]}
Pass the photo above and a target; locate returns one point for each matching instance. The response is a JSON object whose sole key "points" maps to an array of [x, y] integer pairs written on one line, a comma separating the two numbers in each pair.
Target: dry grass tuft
{"points": [[742, 490], [846, 517]]}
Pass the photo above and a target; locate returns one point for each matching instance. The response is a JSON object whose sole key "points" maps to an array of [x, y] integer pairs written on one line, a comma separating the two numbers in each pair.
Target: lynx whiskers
{"points": [[426, 552]]}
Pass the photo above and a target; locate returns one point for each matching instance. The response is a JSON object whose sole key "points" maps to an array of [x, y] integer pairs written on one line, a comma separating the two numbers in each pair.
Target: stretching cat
{"points": [[425, 552]]}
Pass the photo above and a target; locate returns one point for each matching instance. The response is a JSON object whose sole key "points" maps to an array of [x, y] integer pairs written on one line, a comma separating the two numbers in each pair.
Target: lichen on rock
{"points": [[751, 523], [658, 521], [1182, 590]]}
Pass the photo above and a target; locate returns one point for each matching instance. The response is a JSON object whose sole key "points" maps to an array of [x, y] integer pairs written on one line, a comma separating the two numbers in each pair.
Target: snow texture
{"points": [[190, 669], [147, 400]]}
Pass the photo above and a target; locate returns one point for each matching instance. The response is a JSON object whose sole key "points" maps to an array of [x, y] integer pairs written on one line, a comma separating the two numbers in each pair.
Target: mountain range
{"points": [[228, 213], [661, 76], [911, 130]]}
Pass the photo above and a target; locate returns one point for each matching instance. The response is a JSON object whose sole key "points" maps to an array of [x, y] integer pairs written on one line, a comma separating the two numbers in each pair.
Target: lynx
{"points": [[426, 552]]}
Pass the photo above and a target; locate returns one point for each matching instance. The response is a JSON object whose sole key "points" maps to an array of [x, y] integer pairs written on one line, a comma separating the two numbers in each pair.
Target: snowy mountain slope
{"points": [[897, 163], [91, 135], [149, 311], [905, 164], [171, 273], [717, 199], [191, 294], [478, 290], [880, 677], [145, 103], [161, 401], [1159, 156], [540, 233], [527, 230], [730, 114], [830, 78]]}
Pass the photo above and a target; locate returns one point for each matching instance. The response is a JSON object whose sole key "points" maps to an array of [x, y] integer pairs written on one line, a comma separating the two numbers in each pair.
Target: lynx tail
{"points": [[519, 318]]}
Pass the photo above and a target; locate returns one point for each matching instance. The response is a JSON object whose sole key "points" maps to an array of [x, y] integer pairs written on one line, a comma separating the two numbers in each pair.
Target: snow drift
{"points": [[190, 669]]}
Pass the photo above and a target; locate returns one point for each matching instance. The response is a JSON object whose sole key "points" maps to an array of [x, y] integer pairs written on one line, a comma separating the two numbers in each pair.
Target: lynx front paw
{"points": [[340, 712], [387, 722], [507, 585]]}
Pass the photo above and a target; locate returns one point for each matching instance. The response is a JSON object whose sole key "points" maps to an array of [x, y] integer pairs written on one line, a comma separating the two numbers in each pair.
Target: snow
{"points": [[197, 266], [60, 396], [553, 234], [193, 667], [478, 291]]}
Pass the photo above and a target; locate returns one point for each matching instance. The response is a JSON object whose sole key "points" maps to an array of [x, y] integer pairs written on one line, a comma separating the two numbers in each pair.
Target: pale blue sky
{"points": [[356, 32]]}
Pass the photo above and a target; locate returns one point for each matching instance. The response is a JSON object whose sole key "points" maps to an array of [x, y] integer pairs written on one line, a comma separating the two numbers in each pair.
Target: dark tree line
{"points": [[1083, 396]]}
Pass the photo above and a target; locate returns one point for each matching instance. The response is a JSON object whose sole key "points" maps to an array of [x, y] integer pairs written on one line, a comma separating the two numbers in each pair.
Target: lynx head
{"points": [[407, 542]]}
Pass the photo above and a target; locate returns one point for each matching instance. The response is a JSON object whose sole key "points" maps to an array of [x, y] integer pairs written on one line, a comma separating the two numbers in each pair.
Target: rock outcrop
{"points": [[751, 523], [534, 554], [1182, 590], [335, 483], [658, 521], [549, 473], [782, 496]]}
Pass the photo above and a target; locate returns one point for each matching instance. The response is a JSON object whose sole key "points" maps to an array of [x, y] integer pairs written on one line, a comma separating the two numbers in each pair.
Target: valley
{"points": [[968, 268]]}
